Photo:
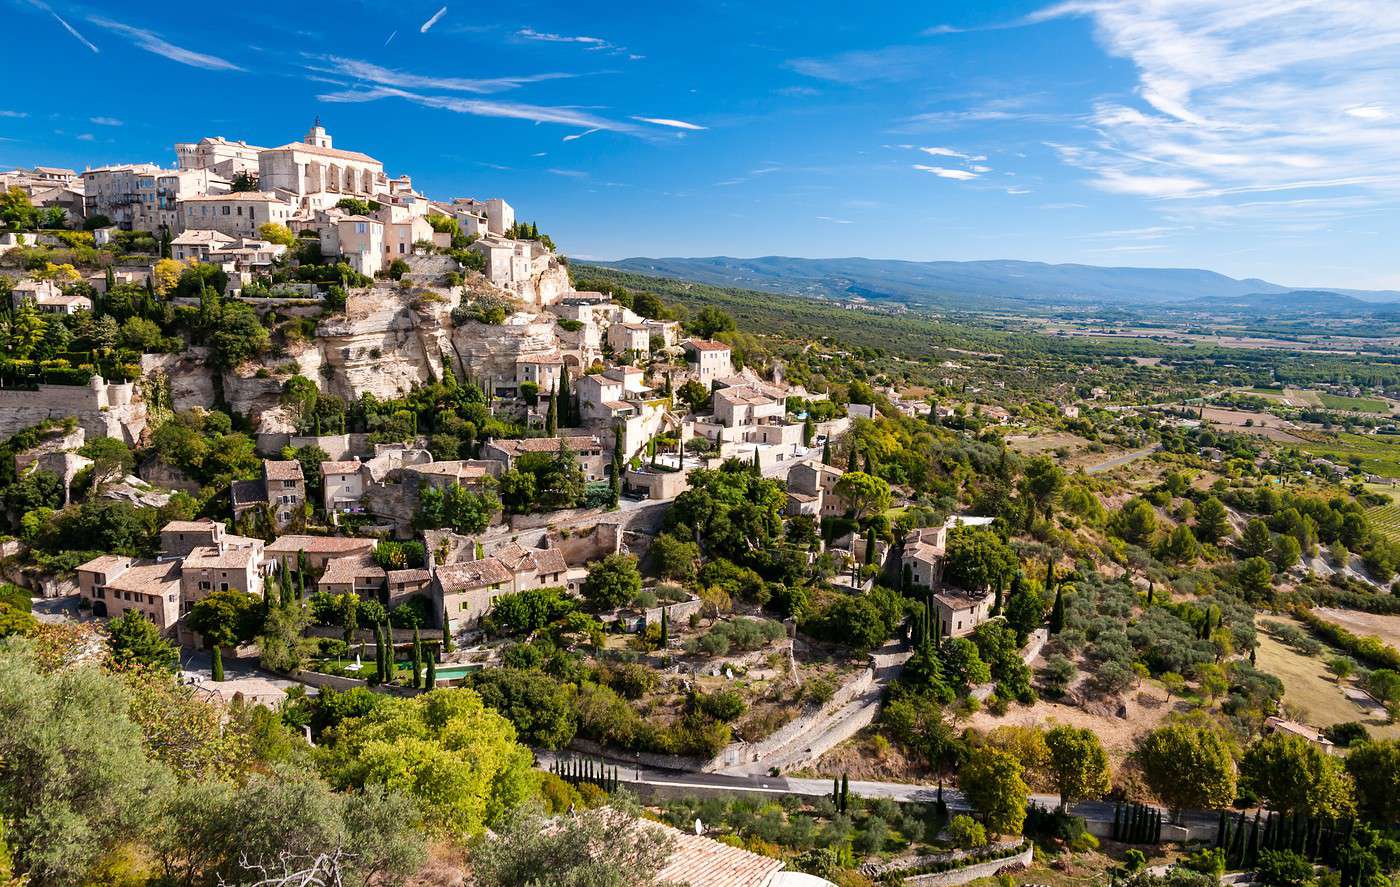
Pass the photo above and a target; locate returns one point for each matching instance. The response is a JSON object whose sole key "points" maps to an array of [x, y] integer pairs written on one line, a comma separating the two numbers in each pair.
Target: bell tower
{"points": [[317, 136]]}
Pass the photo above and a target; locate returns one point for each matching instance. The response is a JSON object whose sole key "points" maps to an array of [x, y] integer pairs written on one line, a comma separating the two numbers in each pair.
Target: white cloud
{"points": [[14, 113], [667, 121], [978, 168], [434, 19], [593, 44], [961, 175], [891, 64], [1244, 98], [532, 34], [578, 135], [834, 221], [1015, 191], [368, 71], [1368, 112], [483, 108], [568, 173], [154, 43], [105, 121], [87, 137]]}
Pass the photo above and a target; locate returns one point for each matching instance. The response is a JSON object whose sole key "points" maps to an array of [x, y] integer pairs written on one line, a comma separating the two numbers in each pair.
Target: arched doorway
{"points": [[99, 609]]}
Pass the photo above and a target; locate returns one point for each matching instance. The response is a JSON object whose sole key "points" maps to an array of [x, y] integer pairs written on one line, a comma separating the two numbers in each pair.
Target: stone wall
{"points": [[972, 872], [102, 409], [741, 752]]}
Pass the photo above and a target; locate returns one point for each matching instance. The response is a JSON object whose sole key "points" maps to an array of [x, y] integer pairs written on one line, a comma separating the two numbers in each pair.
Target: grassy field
{"points": [[1310, 688], [1377, 454], [1356, 404], [1381, 625]]}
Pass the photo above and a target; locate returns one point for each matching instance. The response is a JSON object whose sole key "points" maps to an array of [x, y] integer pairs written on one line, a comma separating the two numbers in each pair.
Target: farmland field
{"points": [[1376, 454], [1386, 520], [1380, 625], [1356, 404], [1310, 688]]}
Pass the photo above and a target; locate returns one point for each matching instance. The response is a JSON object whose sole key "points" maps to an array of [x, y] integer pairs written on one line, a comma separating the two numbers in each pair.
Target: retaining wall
{"points": [[972, 872]]}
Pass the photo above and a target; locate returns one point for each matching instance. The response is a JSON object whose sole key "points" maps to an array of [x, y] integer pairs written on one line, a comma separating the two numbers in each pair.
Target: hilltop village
{"points": [[383, 544]]}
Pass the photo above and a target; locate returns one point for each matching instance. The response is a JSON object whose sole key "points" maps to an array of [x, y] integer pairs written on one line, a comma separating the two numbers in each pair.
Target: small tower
{"points": [[317, 135]]}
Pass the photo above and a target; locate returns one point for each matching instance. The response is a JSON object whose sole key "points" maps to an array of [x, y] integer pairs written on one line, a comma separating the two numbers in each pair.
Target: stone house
{"points": [[811, 488], [465, 590], [112, 584], [282, 487], [708, 360], [320, 550], [586, 448], [238, 214], [356, 574]]}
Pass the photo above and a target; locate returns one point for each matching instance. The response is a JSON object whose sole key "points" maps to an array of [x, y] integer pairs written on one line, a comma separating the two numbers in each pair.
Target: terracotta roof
{"points": [[293, 543], [197, 236], [958, 599], [351, 567], [574, 442], [278, 469], [705, 345], [105, 563], [700, 860], [244, 492], [556, 357], [408, 577], [203, 525], [472, 574], [142, 577], [209, 557], [326, 152], [458, 468], [350, 467]]}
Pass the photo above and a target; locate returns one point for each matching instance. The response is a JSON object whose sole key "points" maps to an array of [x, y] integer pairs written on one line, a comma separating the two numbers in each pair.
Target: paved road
{"points": [[631, 774], [1119, 461]]}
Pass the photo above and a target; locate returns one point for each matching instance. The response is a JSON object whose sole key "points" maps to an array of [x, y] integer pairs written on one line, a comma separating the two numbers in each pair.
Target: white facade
{"points": [[239, 214]]}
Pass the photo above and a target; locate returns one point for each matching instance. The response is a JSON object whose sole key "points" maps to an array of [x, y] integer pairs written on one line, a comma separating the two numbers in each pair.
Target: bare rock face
{"points": [[490, 351], [190, 380], [375, 347]]}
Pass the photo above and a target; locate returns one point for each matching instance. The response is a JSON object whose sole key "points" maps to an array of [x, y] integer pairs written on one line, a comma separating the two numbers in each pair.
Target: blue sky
{"points": [[1255, 139]]}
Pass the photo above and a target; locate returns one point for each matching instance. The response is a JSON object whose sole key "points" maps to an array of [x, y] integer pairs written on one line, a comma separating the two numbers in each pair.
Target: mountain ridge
{"points": [[980, 283]]}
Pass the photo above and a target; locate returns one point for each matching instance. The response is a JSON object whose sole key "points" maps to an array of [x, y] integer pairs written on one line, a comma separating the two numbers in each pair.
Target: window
{"points": [[225, 209], [223, 586]]}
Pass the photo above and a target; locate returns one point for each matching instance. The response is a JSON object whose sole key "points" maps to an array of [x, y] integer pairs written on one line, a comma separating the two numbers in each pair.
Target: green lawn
{"points": [[1355, 404]]}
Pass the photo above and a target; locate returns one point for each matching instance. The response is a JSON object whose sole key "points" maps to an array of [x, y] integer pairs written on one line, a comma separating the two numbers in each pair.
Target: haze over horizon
{"points": [[1255, 142]]}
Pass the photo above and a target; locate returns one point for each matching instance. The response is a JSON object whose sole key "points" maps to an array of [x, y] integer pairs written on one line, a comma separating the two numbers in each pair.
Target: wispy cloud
{"points": [[482, 108], [87, 137], [1244, 99], [568, 173], [105, 121], [834, 221], [572, 137], [891, 64], [372, 73], [949, 152], [154, 43], [943, 172], [38, 4], [389, 39], [593, 44], [14, 113], [432, 20], [667, 121]]}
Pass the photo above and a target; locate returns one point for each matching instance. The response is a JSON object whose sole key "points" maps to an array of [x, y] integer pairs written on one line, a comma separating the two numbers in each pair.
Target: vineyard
{"points": [[1386, 520]]}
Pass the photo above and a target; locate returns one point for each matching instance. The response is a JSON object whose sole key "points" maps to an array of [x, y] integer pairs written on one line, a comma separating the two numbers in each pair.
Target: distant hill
{"points": [[1293, 302], [974, 285]]}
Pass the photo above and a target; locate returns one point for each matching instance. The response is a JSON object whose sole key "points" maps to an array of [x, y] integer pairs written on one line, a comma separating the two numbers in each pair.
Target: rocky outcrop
{"points": [[490, 351], [102, 409]]}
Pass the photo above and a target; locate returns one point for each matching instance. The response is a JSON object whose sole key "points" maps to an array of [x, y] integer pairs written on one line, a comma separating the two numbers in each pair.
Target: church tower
{"points": [[317, 136]]}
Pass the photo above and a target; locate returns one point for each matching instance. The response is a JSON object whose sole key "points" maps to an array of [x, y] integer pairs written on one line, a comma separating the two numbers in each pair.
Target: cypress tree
{"points": [[836, 790], [431, 682], [551, 416], [1057, 612], [218, 658], [417, 659], [1117, 833], [809, 431], [845, 792], [851, 464], [826, 452], [870, 546], [869, 466], [615, 482], [757, 470], [1220, 829], [665, 627], [566, 402], [446, 632]]}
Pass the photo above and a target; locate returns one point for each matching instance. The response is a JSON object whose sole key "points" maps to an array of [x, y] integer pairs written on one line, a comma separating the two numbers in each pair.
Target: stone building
{"points": [[316, 174]]}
